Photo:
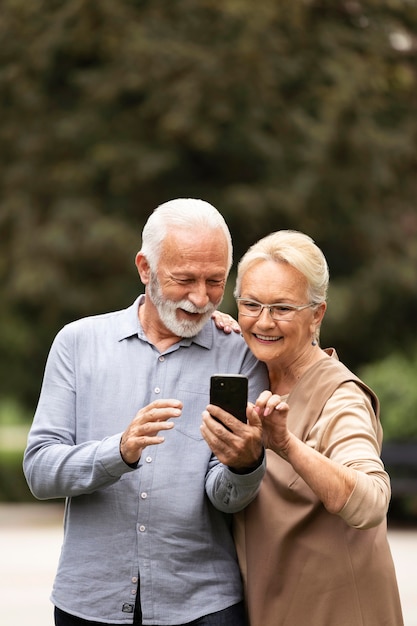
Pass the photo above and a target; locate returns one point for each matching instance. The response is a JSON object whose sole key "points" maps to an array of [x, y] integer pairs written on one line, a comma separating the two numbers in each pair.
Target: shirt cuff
{"points": [[249, 470], [110, 457]]}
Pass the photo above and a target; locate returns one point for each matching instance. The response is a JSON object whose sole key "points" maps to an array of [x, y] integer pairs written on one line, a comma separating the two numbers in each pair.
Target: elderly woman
{"points": [[312, 546]]}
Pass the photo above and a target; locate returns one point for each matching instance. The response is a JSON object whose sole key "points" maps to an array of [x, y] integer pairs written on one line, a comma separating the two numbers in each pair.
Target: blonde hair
{"points": [[296, 249]]}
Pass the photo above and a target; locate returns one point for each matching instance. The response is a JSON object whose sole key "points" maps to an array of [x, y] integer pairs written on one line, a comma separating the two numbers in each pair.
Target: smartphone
{"points": [[230, 392]]}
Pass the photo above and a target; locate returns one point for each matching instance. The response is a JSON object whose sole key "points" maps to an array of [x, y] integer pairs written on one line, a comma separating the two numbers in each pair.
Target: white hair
{"points": [[187, 213], [295, 249]]}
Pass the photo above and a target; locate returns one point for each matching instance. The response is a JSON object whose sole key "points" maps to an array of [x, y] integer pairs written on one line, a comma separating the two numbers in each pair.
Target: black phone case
{"points": [[230, 392]]}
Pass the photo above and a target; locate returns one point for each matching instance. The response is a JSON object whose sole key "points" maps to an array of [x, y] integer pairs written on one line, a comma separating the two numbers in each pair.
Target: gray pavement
{"points": [[30, 539]]}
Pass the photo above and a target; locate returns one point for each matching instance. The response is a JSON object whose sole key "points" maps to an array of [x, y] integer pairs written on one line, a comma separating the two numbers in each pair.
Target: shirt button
{"points": [[134, 579], [143, 495], [161, 358], [133, 592], [148, 459], [157, 390], [142, 528]]}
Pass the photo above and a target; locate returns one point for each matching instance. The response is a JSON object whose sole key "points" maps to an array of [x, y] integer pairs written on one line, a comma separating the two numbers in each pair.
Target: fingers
{"points": [[143, 430], [219, 426], [239, 447], [159, 410], [229, 421], [226, 322], [232, 325], [275, 404], [153, 418], [262, 401], [268, 402]]}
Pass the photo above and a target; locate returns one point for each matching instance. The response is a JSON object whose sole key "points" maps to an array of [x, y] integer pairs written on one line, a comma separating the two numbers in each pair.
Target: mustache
{"points": [[188, 306]]}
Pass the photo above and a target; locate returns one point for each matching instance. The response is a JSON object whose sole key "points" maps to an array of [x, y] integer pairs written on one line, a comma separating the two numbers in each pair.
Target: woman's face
{"points": [[285, 342]]}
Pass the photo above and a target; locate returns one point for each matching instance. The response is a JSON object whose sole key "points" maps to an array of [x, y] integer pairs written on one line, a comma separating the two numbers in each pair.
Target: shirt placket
{"points": [[144, 524]]}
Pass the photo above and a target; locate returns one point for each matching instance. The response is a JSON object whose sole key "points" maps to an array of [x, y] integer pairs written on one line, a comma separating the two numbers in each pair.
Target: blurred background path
{"points": [[30, 539]]}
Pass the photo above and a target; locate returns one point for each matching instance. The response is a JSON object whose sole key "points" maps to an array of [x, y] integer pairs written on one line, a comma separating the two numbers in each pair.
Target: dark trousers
{"points": [[232, 616]]}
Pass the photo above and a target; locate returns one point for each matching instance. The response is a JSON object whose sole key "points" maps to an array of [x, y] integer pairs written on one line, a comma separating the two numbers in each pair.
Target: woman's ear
{"points": [[143, 268], [318, 314]]}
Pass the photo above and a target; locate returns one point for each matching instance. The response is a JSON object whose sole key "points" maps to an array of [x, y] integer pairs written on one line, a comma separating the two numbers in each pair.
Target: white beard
{"points": [[167, 310]]}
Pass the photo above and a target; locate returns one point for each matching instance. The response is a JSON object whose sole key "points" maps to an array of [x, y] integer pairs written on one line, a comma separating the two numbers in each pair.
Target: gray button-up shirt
{"points": [[169, 519]]}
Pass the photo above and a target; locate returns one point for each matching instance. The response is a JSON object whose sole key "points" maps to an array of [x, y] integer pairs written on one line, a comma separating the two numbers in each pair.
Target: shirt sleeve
{"points": [[230, 492], [53, 465], [349, 433]]}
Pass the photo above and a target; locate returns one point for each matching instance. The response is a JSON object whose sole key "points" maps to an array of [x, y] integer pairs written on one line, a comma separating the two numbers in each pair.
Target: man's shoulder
{"points": [[227, 339], [99, 319], [101, 323], [233, 349]]}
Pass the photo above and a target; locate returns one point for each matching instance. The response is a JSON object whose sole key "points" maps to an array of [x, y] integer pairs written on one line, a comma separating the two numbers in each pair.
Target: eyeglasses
{"points": [[279, 311]]}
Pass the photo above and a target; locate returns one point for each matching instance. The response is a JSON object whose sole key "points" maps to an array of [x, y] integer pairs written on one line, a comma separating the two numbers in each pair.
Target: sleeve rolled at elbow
{"points": [[368, 503]]}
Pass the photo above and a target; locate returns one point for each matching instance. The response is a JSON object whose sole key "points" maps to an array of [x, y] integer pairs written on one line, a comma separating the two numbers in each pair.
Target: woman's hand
{"points": [[332, 482], [273, 413], [225, 322]]}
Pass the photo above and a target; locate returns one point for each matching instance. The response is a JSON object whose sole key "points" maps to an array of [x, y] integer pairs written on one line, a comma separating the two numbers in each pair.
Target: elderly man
{"points": [[117, 433]]}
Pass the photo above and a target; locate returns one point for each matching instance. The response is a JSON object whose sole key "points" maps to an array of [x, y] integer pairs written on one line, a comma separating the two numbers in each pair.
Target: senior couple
{"points": [[174, 518]]}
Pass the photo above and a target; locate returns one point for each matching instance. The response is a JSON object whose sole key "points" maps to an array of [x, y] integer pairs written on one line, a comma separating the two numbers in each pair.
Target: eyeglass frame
{"points": [[293, 308]]}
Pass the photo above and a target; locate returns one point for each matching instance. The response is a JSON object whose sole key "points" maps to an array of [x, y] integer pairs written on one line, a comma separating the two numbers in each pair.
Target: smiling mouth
{"points": [[266, 338], [189, 313]]}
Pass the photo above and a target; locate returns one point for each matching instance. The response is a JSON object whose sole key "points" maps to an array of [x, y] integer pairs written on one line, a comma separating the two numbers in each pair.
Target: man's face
{"points": [[190, 280]]}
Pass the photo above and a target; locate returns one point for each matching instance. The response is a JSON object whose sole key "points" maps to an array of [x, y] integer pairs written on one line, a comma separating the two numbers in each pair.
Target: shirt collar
{"points": [[129, 325]]}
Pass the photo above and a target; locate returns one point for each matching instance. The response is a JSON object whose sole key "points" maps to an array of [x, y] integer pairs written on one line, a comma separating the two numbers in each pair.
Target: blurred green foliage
{"points": [[394, 380], [13, 486], [282, 114], [12, 413]]}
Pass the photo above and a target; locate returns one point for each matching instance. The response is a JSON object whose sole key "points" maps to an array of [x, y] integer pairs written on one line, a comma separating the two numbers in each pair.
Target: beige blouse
{"points": [[301, 565]]}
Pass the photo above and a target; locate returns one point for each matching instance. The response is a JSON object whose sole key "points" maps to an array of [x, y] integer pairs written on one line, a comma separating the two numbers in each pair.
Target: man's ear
{"points": [[143, 268]]}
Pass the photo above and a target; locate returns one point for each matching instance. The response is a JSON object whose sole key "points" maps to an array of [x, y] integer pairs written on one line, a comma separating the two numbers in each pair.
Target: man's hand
{"points": [[143, 430], [240, 447]]}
